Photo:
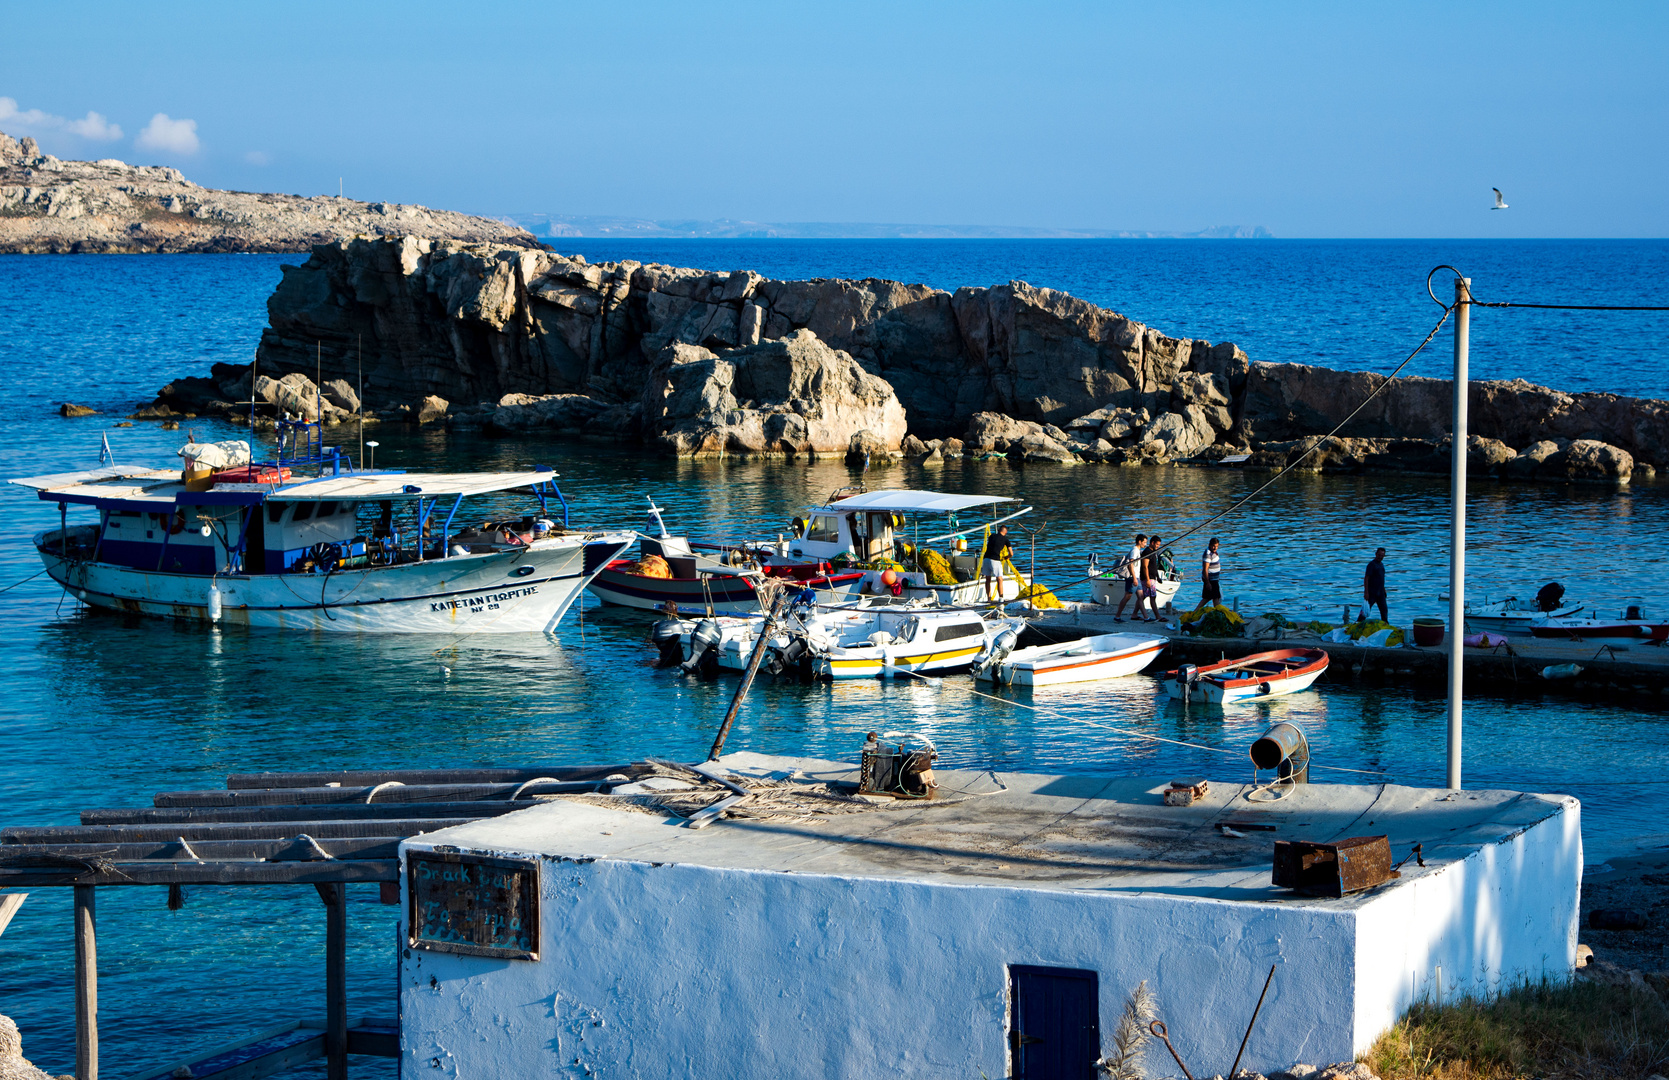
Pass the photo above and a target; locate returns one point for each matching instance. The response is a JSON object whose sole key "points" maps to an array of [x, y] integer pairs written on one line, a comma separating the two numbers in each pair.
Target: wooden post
{"points": [[9, 903], [759, 647], [334, 895], [86, 987]]}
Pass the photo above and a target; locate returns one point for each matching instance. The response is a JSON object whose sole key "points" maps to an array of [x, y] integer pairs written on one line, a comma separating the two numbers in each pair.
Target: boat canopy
{"points": [[149, 473], [905, 502], [360, 487]]}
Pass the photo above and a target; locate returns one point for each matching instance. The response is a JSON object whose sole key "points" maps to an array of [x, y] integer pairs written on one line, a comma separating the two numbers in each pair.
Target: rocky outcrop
{"points": [[48, 206], [473, 323], [793, 396], [505, 339]]}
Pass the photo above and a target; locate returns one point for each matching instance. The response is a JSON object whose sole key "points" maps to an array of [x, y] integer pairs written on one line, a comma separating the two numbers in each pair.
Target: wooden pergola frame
{"points": [[325, 829]]}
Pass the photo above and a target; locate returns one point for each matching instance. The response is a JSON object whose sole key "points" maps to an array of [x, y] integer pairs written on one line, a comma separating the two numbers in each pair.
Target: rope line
{"points": [[1110, 727], [1472, 298], [31, 577]]}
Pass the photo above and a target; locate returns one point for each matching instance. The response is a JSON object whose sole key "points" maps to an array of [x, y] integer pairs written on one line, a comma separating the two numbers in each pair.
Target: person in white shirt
{"points": [[1131, 571], [1211, 568]]}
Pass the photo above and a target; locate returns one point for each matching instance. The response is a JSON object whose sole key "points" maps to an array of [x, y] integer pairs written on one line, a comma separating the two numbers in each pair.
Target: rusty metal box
{"points": [[1347, 866]]}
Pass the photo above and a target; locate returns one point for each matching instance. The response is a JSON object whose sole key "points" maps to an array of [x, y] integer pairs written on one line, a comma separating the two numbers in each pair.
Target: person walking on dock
{"points": [[1211, 569], [1373, 585], [996, 548], [1131, 570], [1152, 574]]}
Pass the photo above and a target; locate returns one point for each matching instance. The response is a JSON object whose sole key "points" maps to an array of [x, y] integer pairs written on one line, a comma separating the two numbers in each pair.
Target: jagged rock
{"points": [[914, 447], [1040, 447], [1529, 459], [67, 409], [1487, 455], [1589, 460], [340, 394], [570, 414], [1124, 424], [49, 206], [866, 446], [1180, 434], [1226, 361], [1200, 388], [951, 447], [431, 408], [786, 396], [1411, 456], [993, 431]]}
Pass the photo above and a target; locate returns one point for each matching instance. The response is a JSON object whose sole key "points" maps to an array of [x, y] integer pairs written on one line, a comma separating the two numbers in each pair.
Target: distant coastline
{"points": [[556, 227]]}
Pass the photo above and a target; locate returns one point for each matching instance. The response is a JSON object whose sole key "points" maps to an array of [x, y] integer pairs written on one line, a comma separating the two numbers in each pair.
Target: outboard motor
{"points": [[704, 650], [667, 634], [1186, 676], [998, 650]]}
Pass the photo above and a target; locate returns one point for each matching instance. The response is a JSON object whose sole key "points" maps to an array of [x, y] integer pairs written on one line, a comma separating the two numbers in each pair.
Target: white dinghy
{"points": [[1103, 656]]}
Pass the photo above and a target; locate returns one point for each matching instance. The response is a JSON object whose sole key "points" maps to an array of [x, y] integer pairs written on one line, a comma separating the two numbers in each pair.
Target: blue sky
{"points": [[1311, 119]]}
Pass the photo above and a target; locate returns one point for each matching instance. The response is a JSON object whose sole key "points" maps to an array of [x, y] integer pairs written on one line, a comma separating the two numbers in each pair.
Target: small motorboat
{"points": [[1103, 656], [1265, 674], [1106, 586], [1512, 613], [1632, 623]]}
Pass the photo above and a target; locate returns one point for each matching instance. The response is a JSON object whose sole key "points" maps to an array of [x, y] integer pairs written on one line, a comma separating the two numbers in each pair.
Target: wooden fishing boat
{"points": [[1265, 674], [1103, 656]]}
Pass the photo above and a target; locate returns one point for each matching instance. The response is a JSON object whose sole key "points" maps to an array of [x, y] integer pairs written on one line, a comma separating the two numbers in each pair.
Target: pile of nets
{"points": [[935, 566], [1358, 631], [649, 566], [1212, 620]]}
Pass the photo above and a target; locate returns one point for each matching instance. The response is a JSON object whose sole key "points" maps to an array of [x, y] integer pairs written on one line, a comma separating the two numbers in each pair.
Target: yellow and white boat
{"points": [[880, 641]]}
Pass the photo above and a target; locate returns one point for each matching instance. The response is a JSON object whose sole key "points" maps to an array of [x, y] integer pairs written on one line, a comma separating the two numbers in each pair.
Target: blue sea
{"points": [[98, 711]]}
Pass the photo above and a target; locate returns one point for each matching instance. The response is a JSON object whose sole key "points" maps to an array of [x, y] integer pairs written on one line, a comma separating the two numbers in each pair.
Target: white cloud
{"points": [[93, 126], [166, 133], [258, 157]]}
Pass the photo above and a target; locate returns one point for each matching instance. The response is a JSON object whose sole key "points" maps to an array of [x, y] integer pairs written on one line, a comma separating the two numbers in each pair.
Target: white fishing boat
{"points": [[1102, 656], [366, 551], [855, 526], [889, 640], [1106, 586], [1512, 613], [860, 641], [1265, 674]]}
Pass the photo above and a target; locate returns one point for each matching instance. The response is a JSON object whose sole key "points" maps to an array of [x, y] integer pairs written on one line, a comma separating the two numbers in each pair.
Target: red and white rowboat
{"points": [[1631, 624], [1265, 674]]}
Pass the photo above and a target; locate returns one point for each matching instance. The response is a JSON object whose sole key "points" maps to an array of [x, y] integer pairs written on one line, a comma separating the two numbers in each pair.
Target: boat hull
{"points": [[1568, 628], [1109, 591], [519, 590], [1052, 665], [729, 594], [1242, 680]]}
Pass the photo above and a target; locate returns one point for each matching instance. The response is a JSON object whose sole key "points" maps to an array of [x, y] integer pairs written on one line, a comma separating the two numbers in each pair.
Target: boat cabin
{"points": [[868, 525], [155, 520]]}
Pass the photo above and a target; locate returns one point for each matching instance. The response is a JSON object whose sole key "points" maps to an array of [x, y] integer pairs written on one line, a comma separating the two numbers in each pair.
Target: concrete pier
{"points": [[1610, 666]]}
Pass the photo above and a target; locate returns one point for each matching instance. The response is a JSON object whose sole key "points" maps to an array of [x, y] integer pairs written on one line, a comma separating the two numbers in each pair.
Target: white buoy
{"points": [[214, 603]]}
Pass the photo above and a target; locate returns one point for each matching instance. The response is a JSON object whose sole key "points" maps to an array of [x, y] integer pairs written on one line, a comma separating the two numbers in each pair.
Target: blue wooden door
{"points": [[1055, 1024]]}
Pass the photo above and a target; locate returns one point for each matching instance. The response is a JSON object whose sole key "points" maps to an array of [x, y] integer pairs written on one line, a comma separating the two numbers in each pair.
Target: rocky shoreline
{"points": [[53, 207], [507, 340]]}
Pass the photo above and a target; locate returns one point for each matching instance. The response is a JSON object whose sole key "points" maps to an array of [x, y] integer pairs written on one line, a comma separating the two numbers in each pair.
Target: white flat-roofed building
{"points": [[997, 929]]}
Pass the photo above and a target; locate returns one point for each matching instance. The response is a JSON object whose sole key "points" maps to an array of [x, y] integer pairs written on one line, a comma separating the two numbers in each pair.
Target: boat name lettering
{"points": [[474, 602]]}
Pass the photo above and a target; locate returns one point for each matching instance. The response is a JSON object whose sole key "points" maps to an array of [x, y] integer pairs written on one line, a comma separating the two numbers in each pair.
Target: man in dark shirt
{"points": [[996, 547], [1373, 585]]}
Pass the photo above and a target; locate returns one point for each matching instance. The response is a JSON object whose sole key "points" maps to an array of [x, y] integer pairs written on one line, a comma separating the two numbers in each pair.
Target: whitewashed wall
{"points": [[680, 970], [1506, 914]]}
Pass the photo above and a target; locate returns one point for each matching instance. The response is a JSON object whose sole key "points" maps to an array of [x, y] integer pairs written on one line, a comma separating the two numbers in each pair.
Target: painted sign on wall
{"points": [[474, 904]]}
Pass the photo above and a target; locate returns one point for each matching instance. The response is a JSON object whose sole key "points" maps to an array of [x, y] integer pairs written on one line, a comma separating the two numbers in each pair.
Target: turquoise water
{"points": [[99, 711]]}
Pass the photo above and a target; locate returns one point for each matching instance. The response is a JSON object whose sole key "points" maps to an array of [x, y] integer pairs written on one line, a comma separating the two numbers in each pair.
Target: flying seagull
{"points": [[1500, 203]]}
